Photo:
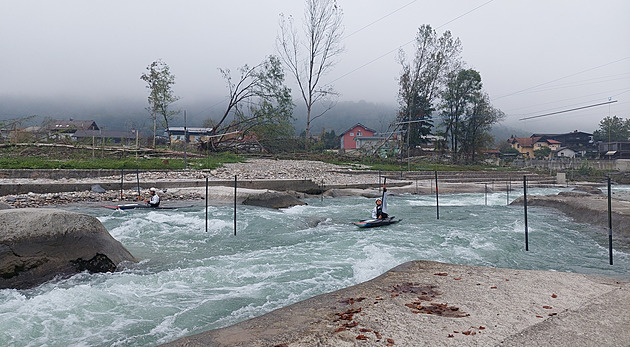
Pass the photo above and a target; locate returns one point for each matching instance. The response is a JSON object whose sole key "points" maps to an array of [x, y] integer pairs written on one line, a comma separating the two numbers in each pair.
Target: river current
{"points": [[189, 280]]}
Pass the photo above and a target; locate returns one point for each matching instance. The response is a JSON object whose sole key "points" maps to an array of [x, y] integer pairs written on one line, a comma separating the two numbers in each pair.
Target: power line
{"points": [[380, 19], [406, 43], [594, 97], [462, 15], [597, 80], [569, 110], [561, 78], [355, 32], [389, 52]]}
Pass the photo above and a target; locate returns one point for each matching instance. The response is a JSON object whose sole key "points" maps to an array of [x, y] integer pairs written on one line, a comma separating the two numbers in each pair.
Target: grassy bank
{"points": [[68, 157], [60, 156]]}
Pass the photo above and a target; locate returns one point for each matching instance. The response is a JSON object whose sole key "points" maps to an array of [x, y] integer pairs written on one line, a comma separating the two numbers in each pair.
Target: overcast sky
{"points": [[535, 56]]}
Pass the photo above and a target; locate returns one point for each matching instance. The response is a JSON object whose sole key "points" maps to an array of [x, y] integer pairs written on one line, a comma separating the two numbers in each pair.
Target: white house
{"points": [[565, 152], [177, 134]]}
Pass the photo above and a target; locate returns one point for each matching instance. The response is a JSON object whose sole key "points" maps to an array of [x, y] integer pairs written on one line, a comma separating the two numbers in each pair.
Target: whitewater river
{"points": [[189, 280]]}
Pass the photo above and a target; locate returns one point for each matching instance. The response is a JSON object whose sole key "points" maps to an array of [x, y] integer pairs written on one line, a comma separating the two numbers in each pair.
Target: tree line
{"points": [[437, 93], [436, 90]]}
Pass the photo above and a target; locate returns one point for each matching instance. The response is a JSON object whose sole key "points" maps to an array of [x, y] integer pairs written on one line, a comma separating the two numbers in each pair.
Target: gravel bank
{"points": [[255, 169]]}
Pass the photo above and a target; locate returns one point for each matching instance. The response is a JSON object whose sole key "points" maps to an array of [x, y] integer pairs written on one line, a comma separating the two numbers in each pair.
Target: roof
{"points": [[357, 125], [72, 124], [189, 129], [524, 141], [575, 132]]}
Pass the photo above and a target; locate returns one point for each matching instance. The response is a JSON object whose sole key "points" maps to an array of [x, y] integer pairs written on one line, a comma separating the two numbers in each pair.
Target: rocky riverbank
{"points": [[258, 169], [336, 180]]}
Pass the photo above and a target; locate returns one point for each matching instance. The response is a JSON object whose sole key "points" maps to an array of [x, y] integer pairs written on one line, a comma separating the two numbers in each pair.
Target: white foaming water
{"points": [[189, 280]]}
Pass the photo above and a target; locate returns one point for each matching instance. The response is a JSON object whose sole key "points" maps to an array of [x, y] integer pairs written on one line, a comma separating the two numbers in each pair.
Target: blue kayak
{"points": [[371, 223], [142, 206]]}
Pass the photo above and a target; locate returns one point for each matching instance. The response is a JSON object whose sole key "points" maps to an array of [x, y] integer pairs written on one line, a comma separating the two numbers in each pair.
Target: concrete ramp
{"points": [[424, 303]]}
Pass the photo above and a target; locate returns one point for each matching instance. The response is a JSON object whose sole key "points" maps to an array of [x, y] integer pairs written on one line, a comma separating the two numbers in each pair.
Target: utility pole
{"points": [[154, 128], [185, 143], [408, 135]]}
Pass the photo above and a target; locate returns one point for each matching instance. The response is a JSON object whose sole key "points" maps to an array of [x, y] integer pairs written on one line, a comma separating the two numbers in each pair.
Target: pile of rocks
{"points": [[263, 169], [315, 171], [109, 197]]}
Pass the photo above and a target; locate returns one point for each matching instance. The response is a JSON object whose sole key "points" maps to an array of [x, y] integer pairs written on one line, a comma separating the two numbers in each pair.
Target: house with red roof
{"points": [[357, 136], [528, 145], [560, 144], [524, 145]]}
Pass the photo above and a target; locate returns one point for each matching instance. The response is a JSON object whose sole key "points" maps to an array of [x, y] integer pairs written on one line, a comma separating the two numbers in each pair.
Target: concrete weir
{"points": [[304, 186], [426, 303]]}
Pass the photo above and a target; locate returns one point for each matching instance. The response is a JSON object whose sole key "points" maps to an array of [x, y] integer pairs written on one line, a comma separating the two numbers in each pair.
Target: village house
{"points": [[190, 135], [60, 129], [358, 136], [569, 145], [565, 152], [614, 150], [524, 145]]}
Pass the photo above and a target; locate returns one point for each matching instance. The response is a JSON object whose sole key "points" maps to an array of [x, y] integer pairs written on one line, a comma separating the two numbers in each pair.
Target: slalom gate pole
{"points": [[206, 203], [610, 247], [486, 194], [384, 181], [138, 181], [122, 178], [507, 189], [235, 184], [379, 181], [321, 195], [437, 199], [525, 207]]}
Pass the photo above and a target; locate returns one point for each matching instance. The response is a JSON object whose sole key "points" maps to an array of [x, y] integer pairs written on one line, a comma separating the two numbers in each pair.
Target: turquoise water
{"points": [[189, 280]]}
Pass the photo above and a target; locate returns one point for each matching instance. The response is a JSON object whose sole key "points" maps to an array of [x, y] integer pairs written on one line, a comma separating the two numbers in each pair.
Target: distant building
{"points": [[577, 142], [565, 152], [357, 136], [179, 134], [65, 128], [524, 145], [614, 150]]}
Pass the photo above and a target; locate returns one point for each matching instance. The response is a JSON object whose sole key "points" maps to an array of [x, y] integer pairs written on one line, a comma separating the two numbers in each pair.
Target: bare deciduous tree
{"points": [[259, 97], [311, 53]]}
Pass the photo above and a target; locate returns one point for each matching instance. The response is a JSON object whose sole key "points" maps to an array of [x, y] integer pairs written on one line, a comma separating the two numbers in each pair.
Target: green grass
{"points": [[210, 162]]}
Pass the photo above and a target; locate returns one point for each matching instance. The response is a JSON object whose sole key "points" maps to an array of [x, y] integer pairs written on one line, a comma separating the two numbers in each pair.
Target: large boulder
{"points": [[37, 244], [5, 206], [273, 199]]}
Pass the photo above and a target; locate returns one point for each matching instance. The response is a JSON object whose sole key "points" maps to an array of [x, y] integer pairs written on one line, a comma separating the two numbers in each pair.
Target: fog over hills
{"points": [[119, 114]]}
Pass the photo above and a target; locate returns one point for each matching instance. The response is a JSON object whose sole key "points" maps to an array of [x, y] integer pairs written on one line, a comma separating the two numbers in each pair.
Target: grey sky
{"points": [[534, 56]]}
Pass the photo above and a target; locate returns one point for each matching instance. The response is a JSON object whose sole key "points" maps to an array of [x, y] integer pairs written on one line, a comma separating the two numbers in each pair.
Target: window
{"points": [[351, 134], [358, 133]]}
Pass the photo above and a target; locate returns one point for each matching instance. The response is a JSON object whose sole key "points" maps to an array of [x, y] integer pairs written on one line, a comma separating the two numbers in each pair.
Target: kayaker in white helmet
{"points": [[380, 210]]}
